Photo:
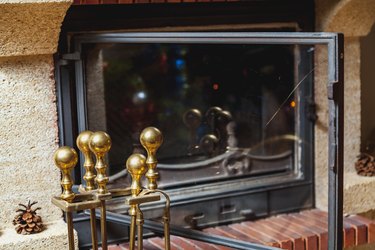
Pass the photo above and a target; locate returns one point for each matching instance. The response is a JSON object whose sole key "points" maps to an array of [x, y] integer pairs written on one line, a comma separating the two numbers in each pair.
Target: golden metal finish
{"points": [[100, 143], [103, 225], [66, 158], [69, 222], [91, 198], [94, 239], [140, 222], [82, 142], [136, 166], [151, 139]]}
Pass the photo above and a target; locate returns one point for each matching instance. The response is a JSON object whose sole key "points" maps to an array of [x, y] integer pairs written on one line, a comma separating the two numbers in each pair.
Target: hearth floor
{"points": [[306, 230]]}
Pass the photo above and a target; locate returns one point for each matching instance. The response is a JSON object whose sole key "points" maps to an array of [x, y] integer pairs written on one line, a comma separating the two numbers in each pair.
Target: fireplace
{"points": [[234, 121], [237, 118]]}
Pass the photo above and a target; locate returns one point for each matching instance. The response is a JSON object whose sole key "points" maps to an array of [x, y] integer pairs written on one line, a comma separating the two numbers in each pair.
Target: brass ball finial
{"points": [[83, 144], [136, 166], [83, 141], [151, 139], [100, 143], [65, 159]]}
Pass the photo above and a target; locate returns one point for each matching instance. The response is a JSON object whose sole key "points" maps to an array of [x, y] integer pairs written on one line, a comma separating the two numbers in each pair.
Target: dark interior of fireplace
{"points": [[237, 119]]}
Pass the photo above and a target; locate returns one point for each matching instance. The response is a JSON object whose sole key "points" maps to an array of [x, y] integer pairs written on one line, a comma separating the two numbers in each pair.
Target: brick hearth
{"points": [[306, 230]]}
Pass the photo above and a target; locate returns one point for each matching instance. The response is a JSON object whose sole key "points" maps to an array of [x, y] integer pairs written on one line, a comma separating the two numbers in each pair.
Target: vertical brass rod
{"points": [[103, 225], [69, 221], [132, 232], [93, 229], [140, 222], [167, 241]]}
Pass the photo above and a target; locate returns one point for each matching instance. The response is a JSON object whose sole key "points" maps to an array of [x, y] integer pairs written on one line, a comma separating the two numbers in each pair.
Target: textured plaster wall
{"points": [[30, 27], [28, 135], [354, 18], [352, 119], [29, 32]]}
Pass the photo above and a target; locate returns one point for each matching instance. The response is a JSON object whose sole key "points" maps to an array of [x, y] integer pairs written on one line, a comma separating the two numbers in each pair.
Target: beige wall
{"points": [[29, 32], [354, 18]]}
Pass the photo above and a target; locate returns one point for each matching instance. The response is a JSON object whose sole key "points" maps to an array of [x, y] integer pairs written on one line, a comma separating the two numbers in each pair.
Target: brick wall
{"points": [[86, 2]]}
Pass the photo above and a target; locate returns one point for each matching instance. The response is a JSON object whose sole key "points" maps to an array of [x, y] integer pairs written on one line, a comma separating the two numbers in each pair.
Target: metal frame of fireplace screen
{"points": [[303, 180]]}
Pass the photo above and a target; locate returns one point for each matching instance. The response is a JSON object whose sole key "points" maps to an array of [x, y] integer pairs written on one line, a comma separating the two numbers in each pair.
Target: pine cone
{"points": [[27, 221], [365, 165]]}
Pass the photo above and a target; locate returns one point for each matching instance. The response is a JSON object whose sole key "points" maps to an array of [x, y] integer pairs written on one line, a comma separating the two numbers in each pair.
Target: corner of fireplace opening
{"points": [[354, 19]]}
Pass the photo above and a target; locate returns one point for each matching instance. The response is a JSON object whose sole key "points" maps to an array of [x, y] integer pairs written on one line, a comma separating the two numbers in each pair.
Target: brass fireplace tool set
{"points": [[95, 193]]}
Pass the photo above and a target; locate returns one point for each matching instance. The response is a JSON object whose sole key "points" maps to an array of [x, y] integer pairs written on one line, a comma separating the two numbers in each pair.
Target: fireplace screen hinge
{"points": [[65, 58]]}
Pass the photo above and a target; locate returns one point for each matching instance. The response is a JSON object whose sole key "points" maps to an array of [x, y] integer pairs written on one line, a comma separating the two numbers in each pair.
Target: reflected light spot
{"points": [[293, 104], [215, 86], [141, 95]]}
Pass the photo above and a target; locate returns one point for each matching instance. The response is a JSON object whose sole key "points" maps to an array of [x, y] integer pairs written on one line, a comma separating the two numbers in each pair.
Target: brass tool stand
{"points": [[95, 193]]}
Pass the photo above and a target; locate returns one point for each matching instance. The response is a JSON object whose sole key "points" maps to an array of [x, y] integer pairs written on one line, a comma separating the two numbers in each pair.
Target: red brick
{"points": [[91, 2], [125, 1], [297, 239], [360, 230], [114, 247], [315, 226], [186, 245], [157, 242], [284, 240], [254, 236], [203, 245], [370, 227], [215, 231], [322, 217], [109, 1], [311, 239]]}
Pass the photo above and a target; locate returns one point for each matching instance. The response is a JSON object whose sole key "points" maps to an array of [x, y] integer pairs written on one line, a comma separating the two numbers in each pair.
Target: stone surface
{"points": [[30, 27], [352, 130], [28, 136], [359, 193], [53, 237], [354, 18]]}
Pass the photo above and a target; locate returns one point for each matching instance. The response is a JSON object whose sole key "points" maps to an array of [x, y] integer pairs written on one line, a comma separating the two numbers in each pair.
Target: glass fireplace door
{"points": [[236, 111]]}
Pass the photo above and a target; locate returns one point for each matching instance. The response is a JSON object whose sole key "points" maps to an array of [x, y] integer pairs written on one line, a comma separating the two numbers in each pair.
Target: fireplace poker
{"points": [[82, 142], [100, 143], [65, 159], [95, 193], [151, 139]]}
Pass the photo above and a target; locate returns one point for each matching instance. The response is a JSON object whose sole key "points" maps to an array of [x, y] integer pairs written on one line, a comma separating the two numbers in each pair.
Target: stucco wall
{"points": [[29, 32], [28, 135], [354, 18]]}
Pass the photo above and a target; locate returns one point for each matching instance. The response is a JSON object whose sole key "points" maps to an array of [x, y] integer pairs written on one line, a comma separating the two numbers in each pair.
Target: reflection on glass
{"points": [[224, 107]]}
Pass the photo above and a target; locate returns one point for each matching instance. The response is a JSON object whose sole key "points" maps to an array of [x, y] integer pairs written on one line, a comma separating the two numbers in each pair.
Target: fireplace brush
{"points": [[95, 193]]}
